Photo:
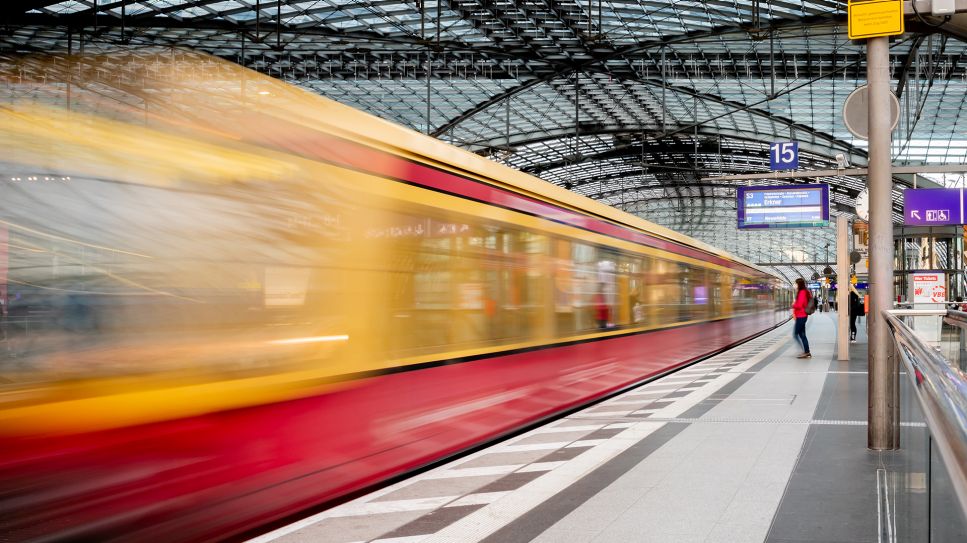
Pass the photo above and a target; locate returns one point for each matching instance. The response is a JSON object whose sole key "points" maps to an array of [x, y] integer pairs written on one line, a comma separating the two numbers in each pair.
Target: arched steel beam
{"points": [[775, 24], [530, 138], [834, 142], [108, 21], [593, 129], [142, 21], [632, 149], [784, 276]]}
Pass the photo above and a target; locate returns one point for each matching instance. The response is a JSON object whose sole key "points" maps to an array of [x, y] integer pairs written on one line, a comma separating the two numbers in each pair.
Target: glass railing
{"points": [[932, 353]]}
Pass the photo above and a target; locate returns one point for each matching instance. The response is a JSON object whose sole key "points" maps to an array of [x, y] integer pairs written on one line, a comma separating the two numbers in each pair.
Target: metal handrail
{"points": [[941, 390], [957, 317], [918, 312]]}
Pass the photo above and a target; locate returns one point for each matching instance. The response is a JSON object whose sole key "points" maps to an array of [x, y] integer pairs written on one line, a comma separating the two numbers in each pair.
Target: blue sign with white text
{"points": [[933, 207], [784, 155], [786, 206]]}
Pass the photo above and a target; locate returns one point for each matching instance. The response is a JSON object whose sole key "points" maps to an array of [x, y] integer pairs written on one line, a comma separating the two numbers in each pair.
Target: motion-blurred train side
{"points": [[240, 300]]}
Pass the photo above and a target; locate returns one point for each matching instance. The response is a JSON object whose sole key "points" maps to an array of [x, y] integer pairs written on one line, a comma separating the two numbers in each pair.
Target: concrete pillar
{"points": [[883, 429], [842, 287]]}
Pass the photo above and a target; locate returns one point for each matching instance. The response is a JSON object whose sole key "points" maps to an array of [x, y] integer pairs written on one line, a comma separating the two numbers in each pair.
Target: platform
{"points": [[750, 445]]}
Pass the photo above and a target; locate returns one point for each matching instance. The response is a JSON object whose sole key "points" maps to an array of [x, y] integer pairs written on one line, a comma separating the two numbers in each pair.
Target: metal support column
{"points": [[664, 105], [429, 82], [507, 121], [883, 431], [577, 114], [842, 287]]}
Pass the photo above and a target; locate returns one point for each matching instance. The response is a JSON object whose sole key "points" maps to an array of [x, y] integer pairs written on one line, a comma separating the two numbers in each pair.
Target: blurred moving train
{"points": [[226, 299]]}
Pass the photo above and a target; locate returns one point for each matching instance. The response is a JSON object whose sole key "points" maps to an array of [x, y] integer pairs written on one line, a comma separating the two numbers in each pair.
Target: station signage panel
{"points": [[874, 18], [783, 206], [933, 207], [784, 155]]}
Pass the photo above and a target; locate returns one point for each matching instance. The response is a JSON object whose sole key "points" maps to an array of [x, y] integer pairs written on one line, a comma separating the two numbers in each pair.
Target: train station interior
{"points": [[503, 271]]}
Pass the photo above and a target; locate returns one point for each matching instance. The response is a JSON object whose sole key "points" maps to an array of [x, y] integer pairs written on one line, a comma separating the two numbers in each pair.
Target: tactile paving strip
{"points": [[763, 420]]}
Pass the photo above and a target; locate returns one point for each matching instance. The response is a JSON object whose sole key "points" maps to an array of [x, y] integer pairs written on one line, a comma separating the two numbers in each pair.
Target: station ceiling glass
{"points": [[639, 104]]}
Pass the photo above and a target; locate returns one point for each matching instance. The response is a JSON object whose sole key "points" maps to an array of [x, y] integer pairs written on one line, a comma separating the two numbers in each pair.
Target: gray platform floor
{"points": [[752, 445]]}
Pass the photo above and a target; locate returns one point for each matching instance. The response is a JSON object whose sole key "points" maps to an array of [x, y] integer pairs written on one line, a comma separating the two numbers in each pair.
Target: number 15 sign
{"points": [[784, 155]]}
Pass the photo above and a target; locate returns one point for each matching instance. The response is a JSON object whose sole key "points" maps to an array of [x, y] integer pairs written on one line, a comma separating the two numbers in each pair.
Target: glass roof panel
{"points": [[667, 94]]}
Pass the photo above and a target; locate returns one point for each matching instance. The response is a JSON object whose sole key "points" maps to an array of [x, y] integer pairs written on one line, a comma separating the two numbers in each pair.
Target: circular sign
{"points": [[856, 112], [815, 276], [863, 205], [827, 271], [855, 257]]}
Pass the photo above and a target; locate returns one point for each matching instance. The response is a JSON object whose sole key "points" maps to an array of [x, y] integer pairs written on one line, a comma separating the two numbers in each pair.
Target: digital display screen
{"points": [[785, 206]]}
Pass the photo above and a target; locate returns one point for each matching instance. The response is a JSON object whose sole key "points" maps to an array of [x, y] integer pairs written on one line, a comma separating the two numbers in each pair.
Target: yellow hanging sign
{"points": [[874, 18]]}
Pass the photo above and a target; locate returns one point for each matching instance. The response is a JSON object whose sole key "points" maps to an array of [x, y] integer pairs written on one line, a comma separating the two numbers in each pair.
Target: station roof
{"points": [[639, 104]]}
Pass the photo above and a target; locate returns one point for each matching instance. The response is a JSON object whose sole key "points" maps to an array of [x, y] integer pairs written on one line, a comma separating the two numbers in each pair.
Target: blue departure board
{"points": [[784, 206]]}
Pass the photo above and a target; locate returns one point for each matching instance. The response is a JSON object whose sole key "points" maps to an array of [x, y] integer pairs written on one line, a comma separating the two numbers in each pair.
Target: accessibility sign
{"points": [[874, 18], [933, 207]]}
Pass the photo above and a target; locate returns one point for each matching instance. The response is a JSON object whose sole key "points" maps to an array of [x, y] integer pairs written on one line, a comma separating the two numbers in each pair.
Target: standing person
{"points": [[799, 311], [855, 310]]}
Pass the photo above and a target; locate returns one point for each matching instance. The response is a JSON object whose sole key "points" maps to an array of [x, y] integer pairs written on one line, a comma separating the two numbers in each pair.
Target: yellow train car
{"points": [[237, 299]]}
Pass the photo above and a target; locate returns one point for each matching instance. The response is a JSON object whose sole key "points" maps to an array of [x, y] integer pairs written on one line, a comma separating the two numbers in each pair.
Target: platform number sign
{"points": [[784, 155]]}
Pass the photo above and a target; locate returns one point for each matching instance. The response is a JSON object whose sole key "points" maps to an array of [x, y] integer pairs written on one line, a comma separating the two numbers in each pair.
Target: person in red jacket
{"points": [[799, 311]]}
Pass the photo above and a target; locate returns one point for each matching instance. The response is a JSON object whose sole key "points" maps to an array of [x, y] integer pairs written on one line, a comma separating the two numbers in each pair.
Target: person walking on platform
{"points": [[855, 310], [799, 308]]}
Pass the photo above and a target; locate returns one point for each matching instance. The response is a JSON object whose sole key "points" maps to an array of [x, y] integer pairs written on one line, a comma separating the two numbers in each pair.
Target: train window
{"points": [[637, 285], [665, 289], [585, 285], [748, 291], [530, 284], [714, 282], [626, 285], [723, 295], [607, 296], [695, 294], [563, 287], [428, 311]]}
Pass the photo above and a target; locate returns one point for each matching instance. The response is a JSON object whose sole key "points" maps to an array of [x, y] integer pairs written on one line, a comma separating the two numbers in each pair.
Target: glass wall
{"points": [[929, 249], [914, 479]]}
